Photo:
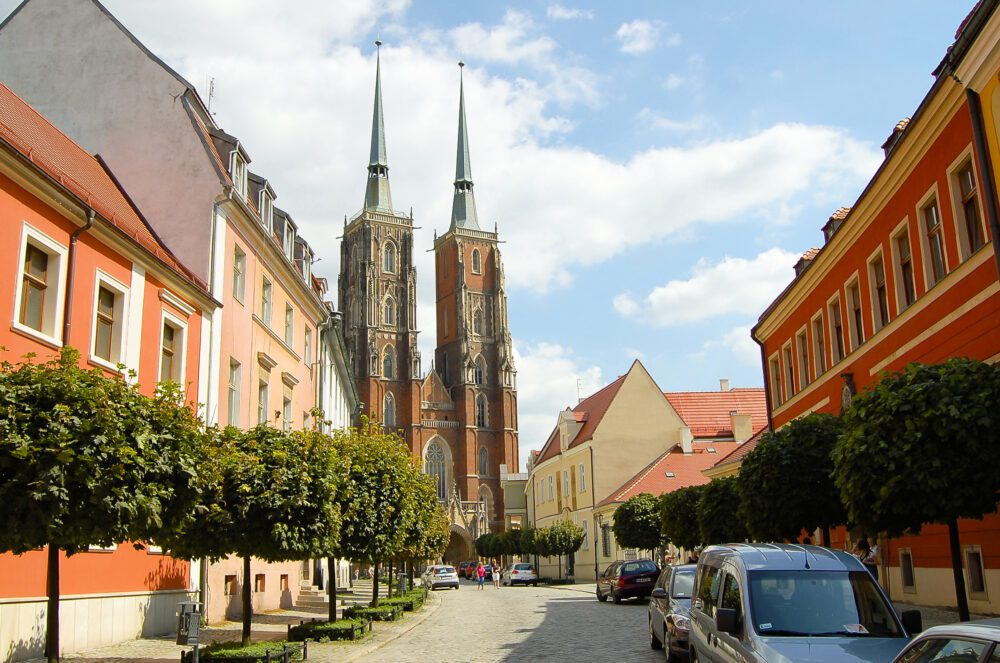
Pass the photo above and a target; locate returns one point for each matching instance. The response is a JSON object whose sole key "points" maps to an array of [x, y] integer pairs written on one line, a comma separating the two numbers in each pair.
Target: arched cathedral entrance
{"points": [[460, 546]]}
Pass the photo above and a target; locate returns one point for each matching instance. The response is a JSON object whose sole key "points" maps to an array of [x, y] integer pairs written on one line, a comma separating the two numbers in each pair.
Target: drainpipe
{"points": [[593, 511], [985, 170], [70, 262], [767, 388]]}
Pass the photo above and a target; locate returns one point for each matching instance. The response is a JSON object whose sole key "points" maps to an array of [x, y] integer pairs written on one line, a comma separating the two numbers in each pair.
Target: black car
{"points": [[669, 620], [627, 578]]}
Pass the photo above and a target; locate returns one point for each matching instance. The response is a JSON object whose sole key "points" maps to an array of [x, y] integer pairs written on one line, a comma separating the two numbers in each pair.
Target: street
{"points": [[525, 624]]}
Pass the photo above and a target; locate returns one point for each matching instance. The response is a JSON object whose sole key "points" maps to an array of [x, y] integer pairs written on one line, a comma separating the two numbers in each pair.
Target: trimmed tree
{"points": [[786, 483], [428, 528], [679, 517], [564, 538], [88, 460], [719, 519], [637, 523], [920, 446]]}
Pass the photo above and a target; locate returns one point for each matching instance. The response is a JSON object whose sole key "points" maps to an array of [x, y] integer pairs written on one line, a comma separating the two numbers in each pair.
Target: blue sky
{"points": [[654, 167]]}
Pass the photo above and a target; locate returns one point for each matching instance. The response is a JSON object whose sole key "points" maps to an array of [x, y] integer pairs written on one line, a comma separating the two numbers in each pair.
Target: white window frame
{"points": [[834, 303], [52, 317], [802, 357], [119, 333], [287, 399], [877, 324], [289, 332], [788, 369], [774, 370], [266, 304], [897, 265], [957, 212], [240, 169], [582, 482], [927, 271], [855, 336], [819, 344], [552, 488], [267, 210], [565, 479], [239, 273], [263, 397], [307, 349], [234, 392], [289, 240], [180, 328]]}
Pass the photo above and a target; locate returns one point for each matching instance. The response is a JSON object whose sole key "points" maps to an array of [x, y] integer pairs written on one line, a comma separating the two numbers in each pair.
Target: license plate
{"points": [[644, 580]]}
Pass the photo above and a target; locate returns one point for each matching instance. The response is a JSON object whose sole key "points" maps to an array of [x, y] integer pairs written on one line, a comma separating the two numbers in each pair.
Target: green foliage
{"points": [[679, 522], [342, 629], [380, 613], [564, 537], [719, 518], [637, 523], [484, 544], [526, 542], [786, 483], [228, 651], [427, 526], [921, 446]]}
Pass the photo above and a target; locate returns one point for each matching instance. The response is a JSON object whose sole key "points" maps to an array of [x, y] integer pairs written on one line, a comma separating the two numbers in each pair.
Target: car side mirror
{"points": [[913, 621], [725, 620], [659, 593]]}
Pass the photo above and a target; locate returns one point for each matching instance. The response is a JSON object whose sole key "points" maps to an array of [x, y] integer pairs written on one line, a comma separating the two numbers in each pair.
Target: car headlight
{"points": [[682, 623]]}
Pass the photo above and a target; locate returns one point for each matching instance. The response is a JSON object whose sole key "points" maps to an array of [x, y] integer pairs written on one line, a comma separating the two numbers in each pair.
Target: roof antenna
{"points": [[211, 94], [579, 385]]}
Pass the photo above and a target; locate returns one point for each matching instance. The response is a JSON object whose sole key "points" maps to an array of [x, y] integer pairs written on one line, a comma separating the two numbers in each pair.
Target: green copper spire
{"points": [[463, 207], [377, 196]]}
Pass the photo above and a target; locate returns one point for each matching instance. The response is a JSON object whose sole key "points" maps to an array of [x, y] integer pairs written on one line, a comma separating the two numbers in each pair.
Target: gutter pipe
{"points": [[985, 170], [70, 263]]}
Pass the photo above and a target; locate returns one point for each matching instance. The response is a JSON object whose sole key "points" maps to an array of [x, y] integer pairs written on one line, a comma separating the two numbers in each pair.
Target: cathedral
{"points": [[460, 418]]}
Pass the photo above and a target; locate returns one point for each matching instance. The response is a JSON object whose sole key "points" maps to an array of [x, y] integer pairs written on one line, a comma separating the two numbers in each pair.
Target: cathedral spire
{"points": [[377, 196], [463, 208]]}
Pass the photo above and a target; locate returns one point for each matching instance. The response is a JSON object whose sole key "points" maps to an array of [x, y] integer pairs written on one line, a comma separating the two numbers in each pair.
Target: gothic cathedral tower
{"points": [[474, 357], [378, 296]]}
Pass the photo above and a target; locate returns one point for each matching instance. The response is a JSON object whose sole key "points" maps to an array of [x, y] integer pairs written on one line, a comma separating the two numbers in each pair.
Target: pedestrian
{"points": [[868, 555], [481, 575], [496, 575]]}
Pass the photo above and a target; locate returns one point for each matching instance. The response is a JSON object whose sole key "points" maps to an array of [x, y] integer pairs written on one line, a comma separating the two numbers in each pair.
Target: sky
{"points": [[654, 168]]}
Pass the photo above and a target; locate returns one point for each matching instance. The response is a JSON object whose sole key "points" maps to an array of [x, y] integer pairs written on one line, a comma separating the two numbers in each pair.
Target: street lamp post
{"points": [[598, 522]]}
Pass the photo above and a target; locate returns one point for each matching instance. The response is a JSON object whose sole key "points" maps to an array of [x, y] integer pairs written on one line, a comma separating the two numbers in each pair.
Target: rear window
{"points": [[523, 567], [683, 584], [445, 569], [638, 567]]}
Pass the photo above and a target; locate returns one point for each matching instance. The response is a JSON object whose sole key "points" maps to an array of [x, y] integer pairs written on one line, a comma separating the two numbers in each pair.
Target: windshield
{"points": [[638, 567], [523, 567], [819, 603], [683, 584]]}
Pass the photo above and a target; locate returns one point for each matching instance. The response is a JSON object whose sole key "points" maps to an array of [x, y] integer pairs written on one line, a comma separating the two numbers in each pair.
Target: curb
{"points": [[418, 619]]}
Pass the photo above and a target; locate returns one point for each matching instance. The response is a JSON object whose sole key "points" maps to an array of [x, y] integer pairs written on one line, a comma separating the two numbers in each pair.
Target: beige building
{"points": [[614, 438]]}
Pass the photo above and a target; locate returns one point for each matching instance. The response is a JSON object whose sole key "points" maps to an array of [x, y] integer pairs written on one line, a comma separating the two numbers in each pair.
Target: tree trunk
{"points": [[956, 568], [388, 589], [247, 604], [409, 571], [826, 537], [331, 563], [52, 611], [375, 585]]}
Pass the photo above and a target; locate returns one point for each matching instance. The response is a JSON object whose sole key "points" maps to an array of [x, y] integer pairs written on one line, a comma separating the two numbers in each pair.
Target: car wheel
{"points": [[616, 598], [654, 642], [693, 655], [601, 597], [534, 584]]}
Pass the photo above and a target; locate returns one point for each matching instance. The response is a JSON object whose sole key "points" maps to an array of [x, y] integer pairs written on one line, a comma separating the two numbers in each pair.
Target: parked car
{"points": [[669, 611], [470, 570], [443, 576], [779, 603], [462, 568], [963, 642], [428, 572], [520, 574], [625, 579]]}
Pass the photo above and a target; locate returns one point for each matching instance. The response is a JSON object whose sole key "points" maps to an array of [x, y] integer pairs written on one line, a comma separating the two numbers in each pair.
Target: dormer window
{"points": [[240, 174], [289, 243], [266, 210]]}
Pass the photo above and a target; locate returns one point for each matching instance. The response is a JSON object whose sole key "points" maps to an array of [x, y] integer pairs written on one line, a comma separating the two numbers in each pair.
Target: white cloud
{"points": [[674, 81], [652, 119], [559, 12], [641, 36], [508, 42], [733, 285], [738, 343], [549, 379]]}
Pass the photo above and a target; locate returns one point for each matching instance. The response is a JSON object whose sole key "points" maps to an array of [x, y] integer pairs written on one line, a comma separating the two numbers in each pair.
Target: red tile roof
{"points": [[739, 453], [810, 254], [841, 213], [589, 412], [706, 413], [58, 156], [685, 468]]}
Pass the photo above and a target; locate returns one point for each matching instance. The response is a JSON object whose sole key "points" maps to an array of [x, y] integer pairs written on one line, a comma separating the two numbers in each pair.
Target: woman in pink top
{"points": [[481, 574]]}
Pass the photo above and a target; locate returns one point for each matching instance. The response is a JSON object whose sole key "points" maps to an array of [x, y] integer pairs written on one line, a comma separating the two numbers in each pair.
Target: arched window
{"points": [[480, 371], [389, 311], [388, 410], [483, 462], [477, 321], [477, 262], [434, 465], [481, 411], [389, 364], [389, 258]]}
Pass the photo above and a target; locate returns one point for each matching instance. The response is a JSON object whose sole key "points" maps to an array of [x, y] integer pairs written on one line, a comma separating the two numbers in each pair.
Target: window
{"points": [[266, 210], [774, 372], [582, 482], [565, 482], [972, 228], [906, 570], [480, 371], [265, 301], [483, 462], [731, 598], [239, 274], [606, 540], [586, 535], [389, 312], [434, 466], [444, 320], [906, 292], [286, 411], [283, 582], [936, 268], [802, 344], [477, 266], [109, 321], [289, 240], [819, 345], [39, 299], [33, 288], [235, 378], [974, 563], [172, 350], [262, 400], [481, 411], [856, 319], [307, 347], [388, 364], [836, 331], [230, 585], [945, 649], [477, 322], [880, 296], [258, 583], [389, 258], [289, 325], [388, 410], [239, 174], [708, 589], [552, 488], [786, 355]]}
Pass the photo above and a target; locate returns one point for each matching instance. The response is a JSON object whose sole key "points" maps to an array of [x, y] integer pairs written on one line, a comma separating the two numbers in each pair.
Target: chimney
{"points": [[686, 439], [742, 426], [724, 384]]}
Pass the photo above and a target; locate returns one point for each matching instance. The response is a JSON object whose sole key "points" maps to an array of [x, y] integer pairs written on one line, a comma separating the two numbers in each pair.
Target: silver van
{"points": [[784, 603]]}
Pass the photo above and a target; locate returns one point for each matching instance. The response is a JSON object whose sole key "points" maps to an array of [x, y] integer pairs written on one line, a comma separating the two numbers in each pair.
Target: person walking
{"points": [[868, 556], [496, 575], [481, 575]]}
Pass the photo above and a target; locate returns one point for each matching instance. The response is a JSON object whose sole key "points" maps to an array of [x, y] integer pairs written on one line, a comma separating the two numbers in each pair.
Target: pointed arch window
{"points": [[477, 322], [389, 363], [484, 458], [389, 258], [477, 262], [481, 411], [480, 371], [434, 465], [389, 311], [388, 410]]}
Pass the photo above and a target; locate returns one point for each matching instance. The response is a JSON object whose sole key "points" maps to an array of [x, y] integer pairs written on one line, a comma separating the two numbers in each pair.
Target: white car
{"points": [[441, 576], [520, 574]]}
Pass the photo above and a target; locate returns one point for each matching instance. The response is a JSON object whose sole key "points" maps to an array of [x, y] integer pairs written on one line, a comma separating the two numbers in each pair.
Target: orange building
{"points": [[909, 273], [86, 270]]}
